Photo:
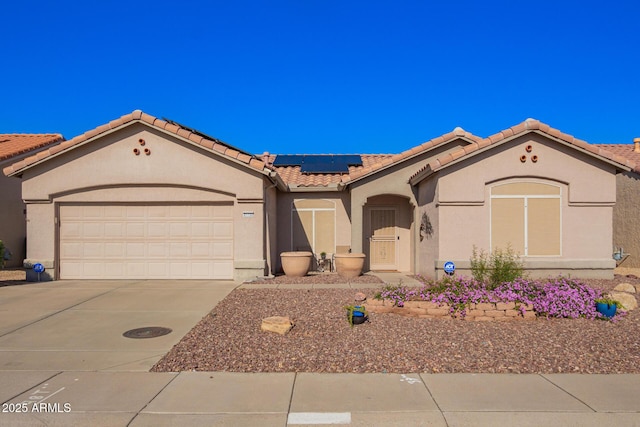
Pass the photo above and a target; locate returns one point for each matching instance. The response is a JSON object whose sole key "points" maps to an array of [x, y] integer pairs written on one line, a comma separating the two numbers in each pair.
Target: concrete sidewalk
{"points": [[289, 399], [64, 361]]}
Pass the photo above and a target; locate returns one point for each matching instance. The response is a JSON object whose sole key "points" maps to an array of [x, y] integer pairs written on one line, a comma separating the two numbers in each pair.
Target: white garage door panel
{"points": [[140, 242]]}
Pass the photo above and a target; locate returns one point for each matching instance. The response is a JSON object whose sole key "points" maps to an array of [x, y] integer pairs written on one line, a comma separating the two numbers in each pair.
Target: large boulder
{"points": [[278, 324], [628, 301], [625, 287]]}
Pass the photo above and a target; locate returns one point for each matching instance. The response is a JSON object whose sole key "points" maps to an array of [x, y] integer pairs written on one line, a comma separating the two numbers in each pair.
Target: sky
{"points": [[311, 76]]}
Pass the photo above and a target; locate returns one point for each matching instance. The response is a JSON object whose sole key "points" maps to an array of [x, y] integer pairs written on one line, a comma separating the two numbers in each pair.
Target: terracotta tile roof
{"points": [[371, 163], [137, 115], [13, 144], [531, 125], [396, 158], [292, 176], [622, 150]]}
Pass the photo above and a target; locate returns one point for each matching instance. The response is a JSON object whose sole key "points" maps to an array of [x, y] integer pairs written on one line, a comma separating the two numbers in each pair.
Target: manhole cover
{"points": [[148, 332]]}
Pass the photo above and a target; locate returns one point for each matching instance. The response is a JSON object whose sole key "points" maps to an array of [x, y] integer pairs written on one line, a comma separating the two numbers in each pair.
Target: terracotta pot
{"points": [[296, 264], [349, 265]]}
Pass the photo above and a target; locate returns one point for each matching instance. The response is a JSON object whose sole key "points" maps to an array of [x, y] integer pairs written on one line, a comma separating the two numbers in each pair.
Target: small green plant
{"points": [[502, 265], [609, 301], [323, 255], [352, 309]]}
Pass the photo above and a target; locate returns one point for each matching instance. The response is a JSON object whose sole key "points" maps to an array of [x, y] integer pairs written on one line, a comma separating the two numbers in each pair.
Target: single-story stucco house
{"points": [[14, 148], [145, 198]]}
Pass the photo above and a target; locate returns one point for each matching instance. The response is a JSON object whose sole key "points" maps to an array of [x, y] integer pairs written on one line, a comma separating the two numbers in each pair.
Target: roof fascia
{"points": [[421, 176], [265, 171], [428, 171], [276, 179], [413, 156], [582, 150], [303, 189]]}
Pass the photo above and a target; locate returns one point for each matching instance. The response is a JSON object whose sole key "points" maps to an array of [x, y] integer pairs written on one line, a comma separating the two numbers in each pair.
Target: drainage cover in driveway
{"points": [[148, 332]]}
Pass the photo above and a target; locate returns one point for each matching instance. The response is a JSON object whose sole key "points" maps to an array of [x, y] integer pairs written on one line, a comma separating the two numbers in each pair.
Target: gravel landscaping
{"points": [[230, 339]]}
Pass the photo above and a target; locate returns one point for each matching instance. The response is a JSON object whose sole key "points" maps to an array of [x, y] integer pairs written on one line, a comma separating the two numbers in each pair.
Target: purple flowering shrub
{"points": [[556, 297]]}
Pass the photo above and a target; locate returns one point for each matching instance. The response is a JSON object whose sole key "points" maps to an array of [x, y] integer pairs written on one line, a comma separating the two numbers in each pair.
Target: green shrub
{"points": [[502, 265]]}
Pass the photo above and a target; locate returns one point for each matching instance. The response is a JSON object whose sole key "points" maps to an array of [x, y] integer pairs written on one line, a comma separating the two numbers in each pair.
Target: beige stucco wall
{"points": [[588, 196], [106, 170], [12, 217], [284, 205], [626, 218], [393, 181], [428, 247]]}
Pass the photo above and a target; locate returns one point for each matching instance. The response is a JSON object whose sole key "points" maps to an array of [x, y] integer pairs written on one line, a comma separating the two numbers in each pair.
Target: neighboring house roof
{"points": [[528, 126], [211, 144], [371, 163], [14, 144], [623, 150]]}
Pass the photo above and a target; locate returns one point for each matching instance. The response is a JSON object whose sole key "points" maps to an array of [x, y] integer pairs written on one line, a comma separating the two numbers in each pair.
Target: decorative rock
{"points": [[278, 324], [625, 287], [627, 300], [360, 297]]}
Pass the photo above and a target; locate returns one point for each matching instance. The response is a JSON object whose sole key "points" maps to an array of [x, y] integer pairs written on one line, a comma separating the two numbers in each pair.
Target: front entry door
{"points": [[383, 239]]}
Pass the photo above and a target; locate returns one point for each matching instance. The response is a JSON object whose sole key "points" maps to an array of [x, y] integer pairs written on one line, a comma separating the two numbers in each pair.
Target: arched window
{"points": [[527, 217], [313, 225]]}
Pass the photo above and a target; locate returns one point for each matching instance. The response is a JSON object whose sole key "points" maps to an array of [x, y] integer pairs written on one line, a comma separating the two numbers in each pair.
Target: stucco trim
{"points": [[89, 189], [592, 204], [242, 201], [305, 189], [461, 203]]}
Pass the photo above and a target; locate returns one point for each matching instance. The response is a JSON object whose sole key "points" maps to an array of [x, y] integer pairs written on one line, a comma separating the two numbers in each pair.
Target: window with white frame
{"points": [[313, 225], [527, 217]]}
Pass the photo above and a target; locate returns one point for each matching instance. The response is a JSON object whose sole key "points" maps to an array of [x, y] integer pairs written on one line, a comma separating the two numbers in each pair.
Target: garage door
{"points": [[146, 242]]}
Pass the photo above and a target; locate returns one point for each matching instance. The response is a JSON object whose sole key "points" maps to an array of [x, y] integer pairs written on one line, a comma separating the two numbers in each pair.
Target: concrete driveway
{"points": [[78, 325]]}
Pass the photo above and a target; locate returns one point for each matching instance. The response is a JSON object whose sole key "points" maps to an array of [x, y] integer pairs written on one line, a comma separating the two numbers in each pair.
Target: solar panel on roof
{"points": [[351, 159], [319, 163], [288, 160], [316, 159]]}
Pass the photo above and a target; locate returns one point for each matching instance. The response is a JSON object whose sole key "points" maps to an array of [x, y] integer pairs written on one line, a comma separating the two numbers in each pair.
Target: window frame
{"points": [[313, 211], [525, 199]]}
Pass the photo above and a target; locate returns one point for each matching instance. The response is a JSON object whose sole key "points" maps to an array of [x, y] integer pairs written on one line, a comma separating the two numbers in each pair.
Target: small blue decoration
{"points": [[449, 267]]}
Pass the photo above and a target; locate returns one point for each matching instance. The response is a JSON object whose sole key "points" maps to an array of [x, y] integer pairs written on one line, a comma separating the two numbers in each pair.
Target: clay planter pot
{"points": [[349, 265], [296, 264]]}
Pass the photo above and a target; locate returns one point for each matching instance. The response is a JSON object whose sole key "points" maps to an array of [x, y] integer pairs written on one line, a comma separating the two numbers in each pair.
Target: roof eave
{"points": [[277, 180], [423, 174], [294, 188], [264, 171], [612, 162], [413, 156], [71, 147]]}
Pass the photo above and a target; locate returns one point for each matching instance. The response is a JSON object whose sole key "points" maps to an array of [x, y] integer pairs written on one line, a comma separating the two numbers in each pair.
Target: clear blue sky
{"points": [[311, 76]]}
